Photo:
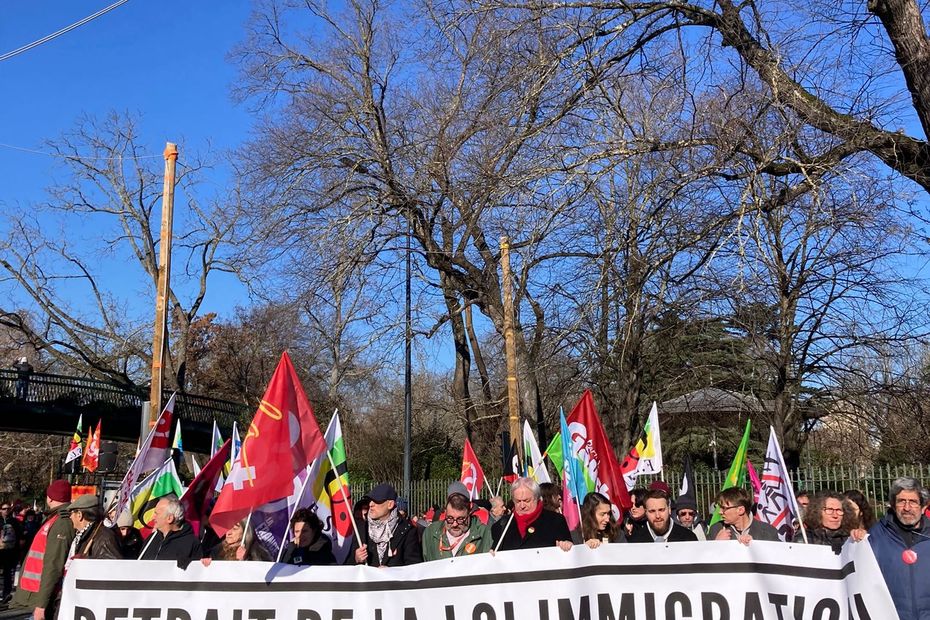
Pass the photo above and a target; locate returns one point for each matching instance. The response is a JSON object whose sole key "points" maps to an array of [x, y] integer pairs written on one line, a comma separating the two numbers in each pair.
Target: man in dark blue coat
{"points": [[901, 543]]}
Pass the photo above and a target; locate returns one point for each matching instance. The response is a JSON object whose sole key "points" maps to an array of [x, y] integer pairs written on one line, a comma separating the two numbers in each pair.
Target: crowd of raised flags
{"points": [[285, 463]]}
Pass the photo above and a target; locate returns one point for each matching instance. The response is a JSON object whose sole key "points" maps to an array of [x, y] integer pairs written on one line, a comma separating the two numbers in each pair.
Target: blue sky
{"points": [[166, 63]]}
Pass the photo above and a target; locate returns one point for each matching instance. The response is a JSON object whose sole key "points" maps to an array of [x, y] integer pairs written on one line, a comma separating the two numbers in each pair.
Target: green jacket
{"points": [[435, 541], [53, 564]]}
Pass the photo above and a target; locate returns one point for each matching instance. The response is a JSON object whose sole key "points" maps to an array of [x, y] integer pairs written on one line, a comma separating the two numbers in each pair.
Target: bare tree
{"points": [[393, 120], [74, 275]]}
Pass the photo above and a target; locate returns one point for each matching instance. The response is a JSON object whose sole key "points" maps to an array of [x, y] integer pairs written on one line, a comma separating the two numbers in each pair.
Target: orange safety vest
{"points": [[31, 577]]}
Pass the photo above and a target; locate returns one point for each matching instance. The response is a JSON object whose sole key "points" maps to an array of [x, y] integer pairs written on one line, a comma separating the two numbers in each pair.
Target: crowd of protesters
{"points": [[385, 536]]}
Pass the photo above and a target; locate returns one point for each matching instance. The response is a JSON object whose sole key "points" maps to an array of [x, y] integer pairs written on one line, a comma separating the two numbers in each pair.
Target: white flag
{"points": [[777, 504], [535, 465]]}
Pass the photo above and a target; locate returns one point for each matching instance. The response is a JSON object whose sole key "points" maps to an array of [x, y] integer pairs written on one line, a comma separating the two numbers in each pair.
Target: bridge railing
{"points": [[47, 388]]}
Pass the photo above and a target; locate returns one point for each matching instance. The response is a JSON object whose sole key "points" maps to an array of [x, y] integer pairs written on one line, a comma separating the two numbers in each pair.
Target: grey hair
{"points": [[174, 508], [906, 483], [526, 483]]}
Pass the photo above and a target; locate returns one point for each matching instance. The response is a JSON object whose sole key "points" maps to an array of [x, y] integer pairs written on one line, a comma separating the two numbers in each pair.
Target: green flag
{"points": [[163, 481], [736, 477], [554, 452]]}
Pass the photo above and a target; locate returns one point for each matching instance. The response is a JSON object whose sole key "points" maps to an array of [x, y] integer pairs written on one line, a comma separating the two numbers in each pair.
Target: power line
{"points": [[78, 156], [64, 30]]}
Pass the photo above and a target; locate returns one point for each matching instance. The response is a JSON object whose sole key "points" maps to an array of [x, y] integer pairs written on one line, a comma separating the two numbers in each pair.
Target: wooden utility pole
{"points": [[164, 278], [513, 391]]}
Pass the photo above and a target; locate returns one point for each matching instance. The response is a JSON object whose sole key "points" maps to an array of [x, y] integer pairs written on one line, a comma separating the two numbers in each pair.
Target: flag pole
{"points": [[290, 516], [500, 481], [504, 533], [488, 484]]}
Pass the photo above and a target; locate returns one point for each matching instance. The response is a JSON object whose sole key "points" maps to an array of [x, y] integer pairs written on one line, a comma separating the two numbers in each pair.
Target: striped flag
{"points": [[163, 481], [75, 450], [337, 489], [646, 456], [778, 505]]}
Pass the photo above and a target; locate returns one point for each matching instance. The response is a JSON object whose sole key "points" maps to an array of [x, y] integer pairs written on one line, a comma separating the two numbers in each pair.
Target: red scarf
{"points": [[523, 521]]}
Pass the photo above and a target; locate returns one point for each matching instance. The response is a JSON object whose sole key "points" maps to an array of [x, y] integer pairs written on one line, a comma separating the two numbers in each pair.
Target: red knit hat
{"points": [[59, 491]]}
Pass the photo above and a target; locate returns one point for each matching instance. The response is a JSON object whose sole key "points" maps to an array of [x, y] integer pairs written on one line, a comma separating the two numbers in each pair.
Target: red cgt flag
{"points": [[282, 440], [92, 453], [589, 442], [472, 474]]}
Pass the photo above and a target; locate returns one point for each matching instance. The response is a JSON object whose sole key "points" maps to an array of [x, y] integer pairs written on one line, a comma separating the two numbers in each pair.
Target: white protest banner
{"points": [[703, 580]]}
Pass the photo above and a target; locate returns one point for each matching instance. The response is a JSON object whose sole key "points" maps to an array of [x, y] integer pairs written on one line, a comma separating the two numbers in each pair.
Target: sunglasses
{"points": [[686, 513]]}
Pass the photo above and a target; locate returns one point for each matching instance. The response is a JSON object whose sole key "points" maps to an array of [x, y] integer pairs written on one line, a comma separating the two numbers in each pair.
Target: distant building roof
{"points": [[714, 400]]}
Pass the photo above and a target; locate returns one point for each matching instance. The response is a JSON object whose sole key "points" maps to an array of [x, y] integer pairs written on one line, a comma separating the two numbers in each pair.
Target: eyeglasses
{"points": [[459, 520], [907, 502], [725, 508], [836, 511]]}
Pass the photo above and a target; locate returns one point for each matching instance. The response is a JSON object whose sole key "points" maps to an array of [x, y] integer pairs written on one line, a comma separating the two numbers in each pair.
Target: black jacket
{"points": [[679, 533], [404, 547], [131, 544], [546, 530], [318, 553], [181, 545], [101, 543]]}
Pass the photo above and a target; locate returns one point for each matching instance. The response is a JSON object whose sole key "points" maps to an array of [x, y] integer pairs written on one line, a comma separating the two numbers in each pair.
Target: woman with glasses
{"points": [[830, 520]]}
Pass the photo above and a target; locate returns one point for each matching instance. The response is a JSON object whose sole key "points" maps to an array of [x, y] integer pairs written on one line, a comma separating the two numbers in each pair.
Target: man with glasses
{"points": [[901, 543], [687, 517], [460, 533], [11, 539], [735, 505], [388, 540]]}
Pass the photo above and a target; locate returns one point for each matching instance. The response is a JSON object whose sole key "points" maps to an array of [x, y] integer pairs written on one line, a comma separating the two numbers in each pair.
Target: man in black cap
{"points": [[686, 516], [388, 539]]}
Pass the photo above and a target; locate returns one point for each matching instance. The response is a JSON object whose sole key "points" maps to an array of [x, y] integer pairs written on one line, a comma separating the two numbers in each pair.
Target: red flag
{"points": [[283, 439], [197, 498], [590, 443], [92, 453], [472, 474]]}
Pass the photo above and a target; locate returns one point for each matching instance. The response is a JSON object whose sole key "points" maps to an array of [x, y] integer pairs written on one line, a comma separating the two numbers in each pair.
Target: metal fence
{"points": [[873, 481]]}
